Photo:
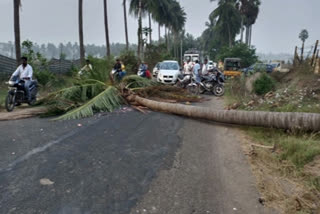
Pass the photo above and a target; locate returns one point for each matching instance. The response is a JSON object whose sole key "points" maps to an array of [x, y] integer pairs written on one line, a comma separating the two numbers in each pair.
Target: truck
{"points": [[192, 55]]}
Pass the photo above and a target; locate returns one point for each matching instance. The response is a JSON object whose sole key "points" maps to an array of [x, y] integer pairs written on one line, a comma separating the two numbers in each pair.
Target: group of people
{"points": [[196, 69]]}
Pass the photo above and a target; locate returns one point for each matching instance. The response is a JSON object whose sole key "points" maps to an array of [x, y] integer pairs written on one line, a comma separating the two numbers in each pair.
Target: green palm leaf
{"points": [[107, 100]]}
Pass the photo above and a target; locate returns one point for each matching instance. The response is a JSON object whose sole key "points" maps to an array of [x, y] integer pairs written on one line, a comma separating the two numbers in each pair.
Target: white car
{"points": [[168, 72]]}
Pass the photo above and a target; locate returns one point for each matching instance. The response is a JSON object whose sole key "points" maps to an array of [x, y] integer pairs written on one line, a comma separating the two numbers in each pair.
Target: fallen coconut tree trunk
{"points": [[292, 121]]}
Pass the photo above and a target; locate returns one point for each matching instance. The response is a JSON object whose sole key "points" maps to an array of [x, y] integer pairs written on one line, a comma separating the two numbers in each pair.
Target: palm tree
{"points": [[304, 35], [106, 27], [16, 7], [249, 10], [126, 23], [82, 51], [228, 21]]}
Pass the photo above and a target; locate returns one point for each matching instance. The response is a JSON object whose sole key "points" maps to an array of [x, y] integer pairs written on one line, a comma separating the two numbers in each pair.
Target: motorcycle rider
{"points": [[143, 68], [25, 72], [119, 68]]}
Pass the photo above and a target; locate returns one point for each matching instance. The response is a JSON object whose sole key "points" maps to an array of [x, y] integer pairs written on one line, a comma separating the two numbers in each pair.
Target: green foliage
{"points": [[107, 100], [304, 35], [134, 81], [101, 69], [155, 54], [264, 84], [299, 149], [43, 77], [239, 50], [130, 60]]}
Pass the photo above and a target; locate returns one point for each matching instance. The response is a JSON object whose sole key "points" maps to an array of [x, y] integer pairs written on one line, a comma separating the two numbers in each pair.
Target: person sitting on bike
{"points": [[119, 68], [143, 68], [25, 72]]}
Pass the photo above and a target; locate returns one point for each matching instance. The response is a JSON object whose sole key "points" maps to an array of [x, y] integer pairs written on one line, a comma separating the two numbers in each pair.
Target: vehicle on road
{"points": [[213, 83], [232, 67], [279, 66], [183, 80], [168, 73], [258, 67], [17, 94], [192, 55]]}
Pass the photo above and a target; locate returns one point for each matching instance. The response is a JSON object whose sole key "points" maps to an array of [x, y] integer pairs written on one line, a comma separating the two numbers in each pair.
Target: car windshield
{"points": [[169, 66]]}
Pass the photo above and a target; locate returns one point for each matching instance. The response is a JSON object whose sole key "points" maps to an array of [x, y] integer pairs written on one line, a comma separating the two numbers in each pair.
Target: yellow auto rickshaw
{"points": [[232, 67]]}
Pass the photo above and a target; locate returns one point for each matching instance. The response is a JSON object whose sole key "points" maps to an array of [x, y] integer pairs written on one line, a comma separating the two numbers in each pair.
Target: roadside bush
{"points": [[101, 68], [264, 84], [43, 77], [130, 60]]}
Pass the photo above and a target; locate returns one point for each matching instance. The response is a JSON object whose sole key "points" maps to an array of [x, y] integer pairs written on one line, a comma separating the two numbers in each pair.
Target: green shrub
{"points": [[263, 84], [43, 77], [101, 69]]}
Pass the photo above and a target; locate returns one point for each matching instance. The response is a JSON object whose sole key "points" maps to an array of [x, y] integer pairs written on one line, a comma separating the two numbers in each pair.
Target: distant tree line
{"points": [[69, 50]]}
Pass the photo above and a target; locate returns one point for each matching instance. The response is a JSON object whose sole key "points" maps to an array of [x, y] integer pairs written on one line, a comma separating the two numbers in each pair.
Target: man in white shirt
{"points": [[205, 68], [25, 72], [188, 67], [87, 68]]}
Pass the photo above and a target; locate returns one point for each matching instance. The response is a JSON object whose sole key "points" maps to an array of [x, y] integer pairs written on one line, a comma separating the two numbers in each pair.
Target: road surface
{"points": [[124, 162]]}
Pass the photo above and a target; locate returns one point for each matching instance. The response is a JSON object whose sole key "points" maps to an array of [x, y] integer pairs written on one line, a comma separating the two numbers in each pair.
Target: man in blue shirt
{"points": [[196, 69]]}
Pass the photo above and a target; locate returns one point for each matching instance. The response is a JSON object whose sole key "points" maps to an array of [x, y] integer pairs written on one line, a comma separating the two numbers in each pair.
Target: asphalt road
{"points": [[124, 162]]}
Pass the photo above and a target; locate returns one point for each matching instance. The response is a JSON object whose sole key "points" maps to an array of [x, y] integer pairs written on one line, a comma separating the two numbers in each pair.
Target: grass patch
{"points": [[3, 94], [299, 149]]}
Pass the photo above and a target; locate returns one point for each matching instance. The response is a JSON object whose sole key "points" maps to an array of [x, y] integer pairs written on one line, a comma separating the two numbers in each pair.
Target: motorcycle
{"points": [[183, 80], [144, 74], [213, 83], [17, 95], [116, 75], [193, 86]]}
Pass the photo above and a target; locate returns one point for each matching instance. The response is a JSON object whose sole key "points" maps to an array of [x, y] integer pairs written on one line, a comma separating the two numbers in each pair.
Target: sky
{"points": [[42, 21]]}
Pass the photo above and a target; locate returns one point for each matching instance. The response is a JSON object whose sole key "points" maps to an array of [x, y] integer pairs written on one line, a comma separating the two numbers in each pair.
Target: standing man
{"points": [[25, 72], [196, 69], [188, 67], [204, 71], [87, 68]]}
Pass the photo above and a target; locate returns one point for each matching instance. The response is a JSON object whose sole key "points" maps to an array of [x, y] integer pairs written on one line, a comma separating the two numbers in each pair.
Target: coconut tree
{"points": [[304, 35], [228, 21], [105, 7], [125, 23], [16, 8], [249, 10]]}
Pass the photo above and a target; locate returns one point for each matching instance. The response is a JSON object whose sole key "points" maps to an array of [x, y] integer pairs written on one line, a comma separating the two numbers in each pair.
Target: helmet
{"points": [[123, 67]]}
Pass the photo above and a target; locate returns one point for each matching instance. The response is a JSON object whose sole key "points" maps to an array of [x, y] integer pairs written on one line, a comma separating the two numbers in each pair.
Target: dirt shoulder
{"points": [[21, 113], [210, 174]]}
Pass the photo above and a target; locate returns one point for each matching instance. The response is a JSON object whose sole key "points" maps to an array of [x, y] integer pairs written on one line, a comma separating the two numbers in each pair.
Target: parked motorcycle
{"points": [[193, 86], [17, 95], [213, 83], [183, 80]]}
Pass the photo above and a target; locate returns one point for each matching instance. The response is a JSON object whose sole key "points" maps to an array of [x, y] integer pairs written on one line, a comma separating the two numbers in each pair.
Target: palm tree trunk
{"points": [[150, 28], [230, 39], [250, 36], [16, 8], [126, 23], [140, 30], [159, 31], [106, 27], [247, 35], [241, 33], [292, 121], [302, 50], [82, 51], [166, 35]]}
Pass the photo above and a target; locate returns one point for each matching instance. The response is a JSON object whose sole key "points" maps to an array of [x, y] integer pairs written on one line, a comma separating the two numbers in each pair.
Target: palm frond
{"points": [[134, 81], [107, 100]]}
